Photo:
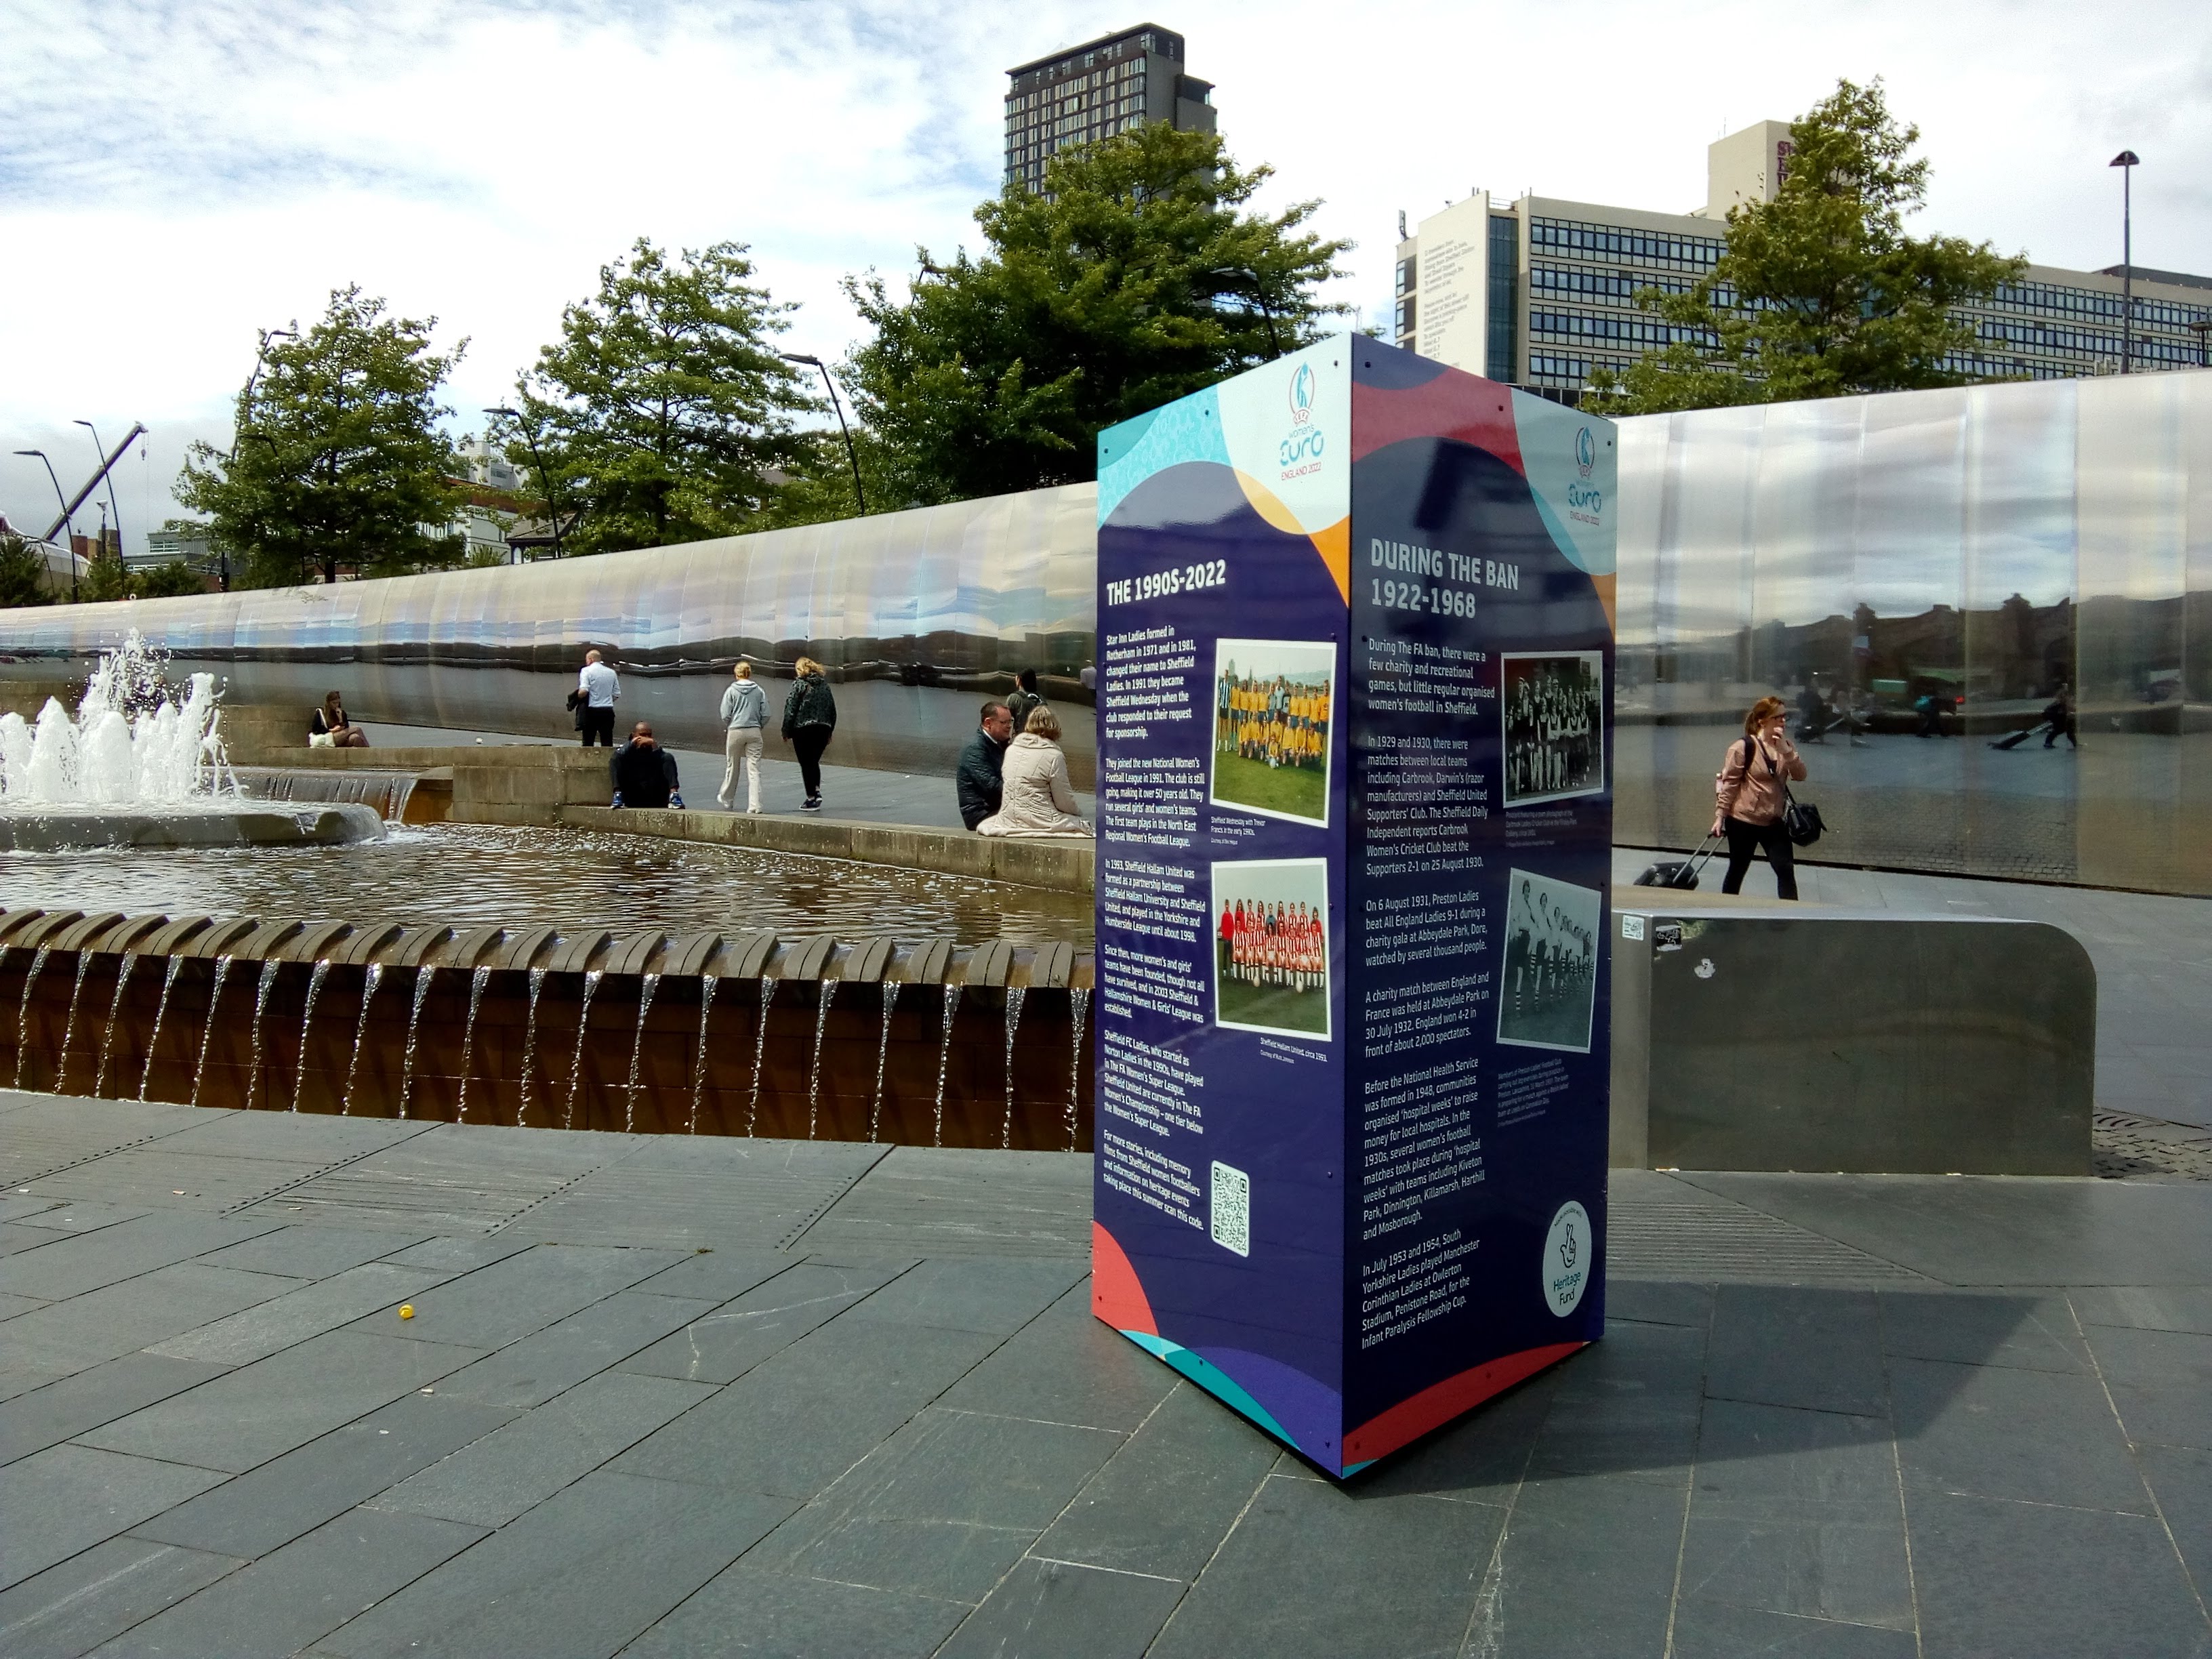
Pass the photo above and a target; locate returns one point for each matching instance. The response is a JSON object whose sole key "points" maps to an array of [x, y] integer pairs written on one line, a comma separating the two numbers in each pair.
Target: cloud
{"points": [[174, 175]]}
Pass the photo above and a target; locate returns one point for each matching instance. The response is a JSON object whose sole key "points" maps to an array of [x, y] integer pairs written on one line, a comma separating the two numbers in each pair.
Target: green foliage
{"points": [[22, 571], [665, 403], [1136, 276], [163, 581], [104, 578], [1820, 293], [338, 461]]}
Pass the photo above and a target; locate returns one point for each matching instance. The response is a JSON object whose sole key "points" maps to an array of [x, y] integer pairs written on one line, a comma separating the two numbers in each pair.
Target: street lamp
{"points": [[852, 454], [2202, 328], [64, 500], [2127, 161], [530, 437], [115, 511]]}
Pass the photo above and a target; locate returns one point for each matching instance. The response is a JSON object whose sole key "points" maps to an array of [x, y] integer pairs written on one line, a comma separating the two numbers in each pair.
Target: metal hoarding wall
{"points": [[1355, 821], [1922, 576]]}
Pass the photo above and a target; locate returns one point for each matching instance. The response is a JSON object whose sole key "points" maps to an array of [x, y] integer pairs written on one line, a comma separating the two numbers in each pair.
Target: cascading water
{"points": [[424, 979], [477, 981], [23, 1014], [114, 1012], [814, 1070], [260, 1006], [760, 1049], [883, 1053], [529, 1042], [646, 986], [1078, 1004], [576, 1061], [316, 975], [1016, 994], [207, 1031], [706, 984], [135, 740], [68, 1025], [161, 1008], [374, 978], [945, 1059]]}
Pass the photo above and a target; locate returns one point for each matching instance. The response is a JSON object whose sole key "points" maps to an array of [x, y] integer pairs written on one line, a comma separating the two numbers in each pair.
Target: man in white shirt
{"points": [[601, 690]]}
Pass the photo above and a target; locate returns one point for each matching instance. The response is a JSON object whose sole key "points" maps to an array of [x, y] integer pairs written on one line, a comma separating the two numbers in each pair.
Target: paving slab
{"points": [[2024, 1436], [49, 1132], [284, 1321], [1587, 1565], [311, 1252], [534, 1369], [46, 1416], [65, 1336], [690, 1191], [456, 1178], [993, 1295], [2033, 1332], [70, 1267], [1066, 1367], [526, 1292], [1057, 1610], [746, 1611], [71, 1609], [945, 1200], [69, 1498], [723, 1344]]}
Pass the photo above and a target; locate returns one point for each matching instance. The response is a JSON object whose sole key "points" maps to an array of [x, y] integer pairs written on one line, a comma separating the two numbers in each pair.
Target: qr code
{"points": [[1232, 1210]]}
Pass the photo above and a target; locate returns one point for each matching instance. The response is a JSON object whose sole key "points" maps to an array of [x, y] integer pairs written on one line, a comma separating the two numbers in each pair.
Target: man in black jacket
{"points": [[643, 773], [980, 762]]}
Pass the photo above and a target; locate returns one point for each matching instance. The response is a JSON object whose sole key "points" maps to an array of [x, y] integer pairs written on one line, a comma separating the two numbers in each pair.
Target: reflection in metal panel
{"points": [[1920, 575]]}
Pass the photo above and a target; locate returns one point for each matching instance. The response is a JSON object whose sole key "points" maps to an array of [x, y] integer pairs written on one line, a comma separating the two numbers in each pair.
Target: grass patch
{"points": [[1277, 1006], [1297, 790]]}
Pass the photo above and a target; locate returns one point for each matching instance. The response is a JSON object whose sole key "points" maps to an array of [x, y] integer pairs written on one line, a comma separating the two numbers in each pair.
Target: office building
{"points": [[1096, 89], [1540, 292]]}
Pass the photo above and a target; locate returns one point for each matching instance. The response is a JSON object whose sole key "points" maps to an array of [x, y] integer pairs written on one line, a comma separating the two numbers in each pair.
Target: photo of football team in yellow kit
{"points": [[1273, 709]]}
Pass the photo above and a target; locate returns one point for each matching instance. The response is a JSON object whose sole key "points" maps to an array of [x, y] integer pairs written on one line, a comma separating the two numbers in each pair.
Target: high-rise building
{"points": [[1100, 88], [1540, 292]]}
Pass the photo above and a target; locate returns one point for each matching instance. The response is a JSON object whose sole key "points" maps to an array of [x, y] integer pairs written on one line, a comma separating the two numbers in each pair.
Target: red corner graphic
{"points": [[1409, 1419], [1115, 1295]]}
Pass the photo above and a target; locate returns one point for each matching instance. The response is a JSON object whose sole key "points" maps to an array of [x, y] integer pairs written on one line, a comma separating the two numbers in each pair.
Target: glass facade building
{"points": [[1096, 89]]}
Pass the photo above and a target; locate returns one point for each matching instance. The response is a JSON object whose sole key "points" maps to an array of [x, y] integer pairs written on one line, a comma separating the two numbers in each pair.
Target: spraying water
{"points": [[814, 1070], [945, 1058], [477, 981], [23, 1014], [424, 979], [260, 1006], [161, 1008], [576, 1062], [207, 1031], [135, 739], [1078, 1004], [316, 975], [375, 978], [530, 1041], [706, 984], [1016, 995], [760, 1049], [114, 1011], [645, 988], [883, 1054], [68, 1025]]}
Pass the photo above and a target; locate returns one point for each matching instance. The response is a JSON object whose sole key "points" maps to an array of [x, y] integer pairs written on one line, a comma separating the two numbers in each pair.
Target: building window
{"points": [[1503, 296], [1406, 276]]}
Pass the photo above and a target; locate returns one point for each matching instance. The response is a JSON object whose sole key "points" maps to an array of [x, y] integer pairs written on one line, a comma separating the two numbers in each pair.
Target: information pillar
{"points": [[1355, 838]]}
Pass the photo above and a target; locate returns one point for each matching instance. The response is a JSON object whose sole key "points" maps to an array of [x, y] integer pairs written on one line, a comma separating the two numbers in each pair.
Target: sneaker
{"points": [[812, 803]]}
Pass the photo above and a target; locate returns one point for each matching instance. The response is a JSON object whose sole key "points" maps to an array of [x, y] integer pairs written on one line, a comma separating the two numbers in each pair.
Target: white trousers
{"points": [[743, 742]]}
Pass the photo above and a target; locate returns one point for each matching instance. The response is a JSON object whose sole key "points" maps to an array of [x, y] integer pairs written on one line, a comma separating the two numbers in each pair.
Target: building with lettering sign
{"points": [[1094, 90], [1538, 292]]}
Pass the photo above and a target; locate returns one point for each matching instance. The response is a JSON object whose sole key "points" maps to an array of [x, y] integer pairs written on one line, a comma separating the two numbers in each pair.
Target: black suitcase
{"points": [[1679, 873]]}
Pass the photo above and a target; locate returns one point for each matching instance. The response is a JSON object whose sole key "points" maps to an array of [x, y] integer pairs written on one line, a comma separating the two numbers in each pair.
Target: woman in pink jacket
{"points": [[1751, 793]]}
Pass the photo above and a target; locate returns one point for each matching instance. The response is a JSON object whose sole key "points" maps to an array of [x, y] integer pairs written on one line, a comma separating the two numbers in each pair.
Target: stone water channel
{"points": [[923, 1041]]}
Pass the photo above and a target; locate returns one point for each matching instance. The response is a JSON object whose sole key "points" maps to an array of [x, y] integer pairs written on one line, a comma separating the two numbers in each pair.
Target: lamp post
{"points": [[530, 437], [64, 500], [2202, 328], [115, 510], [2127, 161], [852, 454]]}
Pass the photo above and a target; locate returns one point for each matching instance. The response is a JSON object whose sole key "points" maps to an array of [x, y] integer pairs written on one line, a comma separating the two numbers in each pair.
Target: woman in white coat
{"points": [[1036, 798]]}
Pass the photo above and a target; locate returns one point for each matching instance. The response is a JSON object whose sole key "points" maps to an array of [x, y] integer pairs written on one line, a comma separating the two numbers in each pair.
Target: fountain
{"points": [[23, 1015], [68, 1025], [1016, 995], [260, 1007], [114, 1008], [424, 977], [883, 1053], [576, 1061], [945, 1059], [141, 764], [207, 1029], [1079, 1004], [646, 987], [477, 981], [374, 977], [760, 1050], [829, 994], [161, 1010], [530, 1044], [706, 984], [315, 977]]}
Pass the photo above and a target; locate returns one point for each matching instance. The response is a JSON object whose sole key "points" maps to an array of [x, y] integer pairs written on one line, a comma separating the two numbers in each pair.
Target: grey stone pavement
{"points": [[662, 1396]]}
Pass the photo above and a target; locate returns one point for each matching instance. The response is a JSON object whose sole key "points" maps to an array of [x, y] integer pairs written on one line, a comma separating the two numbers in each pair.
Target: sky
{"points": [[176, 173]]}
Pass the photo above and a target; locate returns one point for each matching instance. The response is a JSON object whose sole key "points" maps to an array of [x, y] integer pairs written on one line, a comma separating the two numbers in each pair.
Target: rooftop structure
{"points": [[1100, 88]]}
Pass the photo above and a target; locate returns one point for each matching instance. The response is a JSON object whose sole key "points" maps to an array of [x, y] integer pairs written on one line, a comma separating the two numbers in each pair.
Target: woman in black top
{"points": [[331, 721]]}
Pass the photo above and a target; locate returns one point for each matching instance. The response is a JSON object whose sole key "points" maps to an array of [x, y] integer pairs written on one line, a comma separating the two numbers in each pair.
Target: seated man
{"points": [[978, 778], [643, 773]]}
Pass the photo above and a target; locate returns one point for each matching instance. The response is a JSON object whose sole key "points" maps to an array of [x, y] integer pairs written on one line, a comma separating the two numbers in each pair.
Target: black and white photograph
{"points": [[1553, 708], [1550, 982]]}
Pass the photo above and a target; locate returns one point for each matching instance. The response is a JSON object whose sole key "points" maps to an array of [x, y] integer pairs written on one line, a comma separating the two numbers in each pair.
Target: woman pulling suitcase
{"points": [[1751, 794]]}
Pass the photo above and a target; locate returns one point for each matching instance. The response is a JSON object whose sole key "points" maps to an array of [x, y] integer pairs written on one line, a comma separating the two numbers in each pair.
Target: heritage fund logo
{"points": [[1565, 1263]]}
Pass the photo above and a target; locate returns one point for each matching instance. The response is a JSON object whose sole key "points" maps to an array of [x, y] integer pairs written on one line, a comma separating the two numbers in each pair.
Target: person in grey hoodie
{"points": [[744, 712]]}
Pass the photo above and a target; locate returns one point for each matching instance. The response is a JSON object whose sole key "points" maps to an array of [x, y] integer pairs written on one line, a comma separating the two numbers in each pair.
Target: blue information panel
{"points": [[1355, 838]]}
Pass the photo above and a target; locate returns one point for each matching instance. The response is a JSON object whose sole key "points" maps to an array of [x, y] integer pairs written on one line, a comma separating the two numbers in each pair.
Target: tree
{"points": [[1136, 276], [663, 406], [1820, 293], [337, 458], [22, 571]]}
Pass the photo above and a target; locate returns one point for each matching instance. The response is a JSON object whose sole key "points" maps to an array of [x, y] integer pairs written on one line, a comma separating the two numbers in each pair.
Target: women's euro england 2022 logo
{"points": [[1585, 452], [1301, 449]]}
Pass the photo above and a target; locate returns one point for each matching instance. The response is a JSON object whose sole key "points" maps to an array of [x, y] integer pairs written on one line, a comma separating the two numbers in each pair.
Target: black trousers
{"points": [[596, 723], [810, 741], [1746, 839]]}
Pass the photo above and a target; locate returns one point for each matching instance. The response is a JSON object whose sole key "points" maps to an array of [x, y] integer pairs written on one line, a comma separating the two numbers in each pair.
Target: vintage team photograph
{"points": [[1554, 714], [1274, 700], [1271, 946], [1550, 982]]}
